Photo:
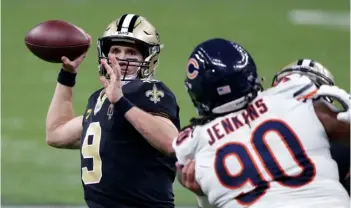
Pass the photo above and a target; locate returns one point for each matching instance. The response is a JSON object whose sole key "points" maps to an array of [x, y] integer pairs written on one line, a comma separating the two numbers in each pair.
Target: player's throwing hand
{"points": [[113, 86], [72, 65]]}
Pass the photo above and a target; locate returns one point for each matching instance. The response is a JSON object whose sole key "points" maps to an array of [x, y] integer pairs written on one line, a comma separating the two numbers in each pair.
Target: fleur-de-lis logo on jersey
{"points": [[155, 94]]}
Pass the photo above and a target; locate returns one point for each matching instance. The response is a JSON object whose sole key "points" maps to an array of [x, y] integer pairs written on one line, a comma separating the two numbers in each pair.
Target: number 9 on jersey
{"points": [[92, 151]]}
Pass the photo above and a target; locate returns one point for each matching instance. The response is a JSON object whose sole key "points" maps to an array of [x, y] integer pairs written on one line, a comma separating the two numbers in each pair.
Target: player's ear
{"points": [[337, 131]]}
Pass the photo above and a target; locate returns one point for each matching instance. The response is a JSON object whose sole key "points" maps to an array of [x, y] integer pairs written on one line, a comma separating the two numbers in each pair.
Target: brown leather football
{"points": [[52, 39]]}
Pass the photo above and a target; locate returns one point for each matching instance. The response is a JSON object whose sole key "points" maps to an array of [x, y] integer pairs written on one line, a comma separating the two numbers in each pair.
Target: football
{"points": [[50, 40]]}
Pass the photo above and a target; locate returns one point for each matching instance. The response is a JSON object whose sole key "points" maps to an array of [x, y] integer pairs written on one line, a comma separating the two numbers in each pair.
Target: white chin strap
{"points": [[132, 76], [231, 106]]}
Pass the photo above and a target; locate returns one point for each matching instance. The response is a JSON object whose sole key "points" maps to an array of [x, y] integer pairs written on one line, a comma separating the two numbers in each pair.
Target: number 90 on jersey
{"points": [[250, 172]]}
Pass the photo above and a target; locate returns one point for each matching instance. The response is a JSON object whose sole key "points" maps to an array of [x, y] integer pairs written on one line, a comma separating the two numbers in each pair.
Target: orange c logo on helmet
{"points": [[192, 68]]}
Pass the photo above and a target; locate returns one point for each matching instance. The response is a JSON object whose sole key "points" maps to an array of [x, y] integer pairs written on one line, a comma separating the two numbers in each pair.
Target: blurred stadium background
{"points": [[272, 30]]}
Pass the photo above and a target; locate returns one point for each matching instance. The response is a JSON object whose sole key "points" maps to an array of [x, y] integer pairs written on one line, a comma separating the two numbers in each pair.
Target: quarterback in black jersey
{"points": [[125, 135]]}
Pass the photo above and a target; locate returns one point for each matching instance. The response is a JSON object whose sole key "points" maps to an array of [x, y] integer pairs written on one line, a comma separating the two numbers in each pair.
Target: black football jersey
{"points": [[119, 167]]}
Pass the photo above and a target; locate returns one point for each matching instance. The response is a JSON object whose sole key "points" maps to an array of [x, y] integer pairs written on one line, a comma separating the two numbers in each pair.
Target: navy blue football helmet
{"points": [[221, 77]]}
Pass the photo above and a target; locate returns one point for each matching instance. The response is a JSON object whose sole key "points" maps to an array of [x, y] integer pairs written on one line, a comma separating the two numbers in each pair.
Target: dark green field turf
{"points": [[32, 172]]}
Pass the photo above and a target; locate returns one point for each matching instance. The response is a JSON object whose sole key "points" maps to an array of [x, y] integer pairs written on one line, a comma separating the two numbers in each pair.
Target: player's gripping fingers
{"points": [[68, 65], [65, 60]]}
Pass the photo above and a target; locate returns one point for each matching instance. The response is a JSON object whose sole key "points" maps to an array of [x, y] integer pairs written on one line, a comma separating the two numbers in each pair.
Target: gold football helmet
{"points": [[319, 74], [137, 30]]}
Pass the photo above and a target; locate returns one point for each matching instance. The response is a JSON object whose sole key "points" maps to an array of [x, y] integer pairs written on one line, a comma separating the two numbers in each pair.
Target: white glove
{"points": [[341, 96], [344, 116]]}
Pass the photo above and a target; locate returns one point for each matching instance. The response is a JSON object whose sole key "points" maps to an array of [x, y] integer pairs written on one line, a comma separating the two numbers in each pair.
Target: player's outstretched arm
{"points": [[63, 129]]}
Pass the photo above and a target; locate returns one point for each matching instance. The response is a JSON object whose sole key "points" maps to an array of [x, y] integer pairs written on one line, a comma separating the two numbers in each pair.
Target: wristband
{"points": [[122, 106], [66, 78]]}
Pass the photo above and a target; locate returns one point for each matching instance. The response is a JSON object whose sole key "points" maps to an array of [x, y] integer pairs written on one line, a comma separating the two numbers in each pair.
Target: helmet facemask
{"points": [[144, 70]]}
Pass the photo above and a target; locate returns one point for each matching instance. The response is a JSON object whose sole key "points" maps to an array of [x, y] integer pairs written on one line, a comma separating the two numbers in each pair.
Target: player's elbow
{"points": [[62, 143], [65, 135], [58, 140], [53, 140], [51, 137]]}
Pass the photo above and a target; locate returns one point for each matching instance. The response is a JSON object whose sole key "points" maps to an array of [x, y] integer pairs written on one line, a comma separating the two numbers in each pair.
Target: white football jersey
{"points": [[274, 154]]}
